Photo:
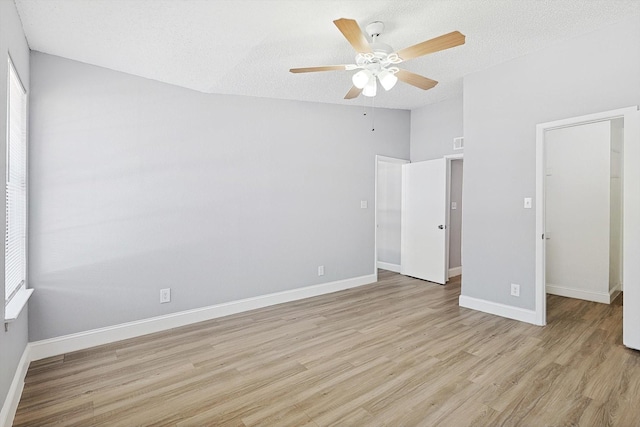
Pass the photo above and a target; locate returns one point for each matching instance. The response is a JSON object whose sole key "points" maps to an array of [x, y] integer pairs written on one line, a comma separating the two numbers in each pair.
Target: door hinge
{"points": [[542, 236]]}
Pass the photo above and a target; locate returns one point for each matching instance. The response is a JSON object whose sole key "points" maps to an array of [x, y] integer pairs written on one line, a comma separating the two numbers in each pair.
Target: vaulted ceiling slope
{"points": [[246, 47]]}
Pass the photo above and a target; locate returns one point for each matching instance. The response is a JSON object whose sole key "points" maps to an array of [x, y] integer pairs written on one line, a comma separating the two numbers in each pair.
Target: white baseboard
{"points": [[455, 271], [83, 340], [388, 266], [601, 297], [613, 293], [503, 310], [10, 406]]}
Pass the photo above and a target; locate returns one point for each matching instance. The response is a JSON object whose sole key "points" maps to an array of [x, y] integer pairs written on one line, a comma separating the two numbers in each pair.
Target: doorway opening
{"points": [[583, 211], [407, 195], [455, 174], [388, 205], [570, 198]]}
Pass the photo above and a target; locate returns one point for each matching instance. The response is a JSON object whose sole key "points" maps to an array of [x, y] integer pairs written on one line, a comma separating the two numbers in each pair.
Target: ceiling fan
{"points": [[377, 61]]}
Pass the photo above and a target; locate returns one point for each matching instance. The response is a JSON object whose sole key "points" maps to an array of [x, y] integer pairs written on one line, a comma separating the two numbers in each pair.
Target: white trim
{"points": [[614, 292], [541, 129], [589, 118], [448, 159], [601, 297], [508, 311], [10, 406], [13, 309], [388, 266], [386, 159], [83, 340], [540, 269], [455, 271]]}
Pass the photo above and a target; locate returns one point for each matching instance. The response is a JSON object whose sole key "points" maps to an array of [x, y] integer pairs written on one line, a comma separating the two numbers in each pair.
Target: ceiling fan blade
{"points": [[353, 93], [415, 79], [446, 41], [352, 32], [323, 68]]}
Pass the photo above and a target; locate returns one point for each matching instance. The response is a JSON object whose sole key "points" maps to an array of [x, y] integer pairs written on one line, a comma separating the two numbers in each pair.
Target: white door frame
{"points": [[386, 159], [630, 182], [449, 158]]}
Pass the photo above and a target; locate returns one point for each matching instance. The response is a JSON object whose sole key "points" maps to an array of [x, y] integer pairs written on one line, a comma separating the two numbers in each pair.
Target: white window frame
{"points": [[16, 295]]}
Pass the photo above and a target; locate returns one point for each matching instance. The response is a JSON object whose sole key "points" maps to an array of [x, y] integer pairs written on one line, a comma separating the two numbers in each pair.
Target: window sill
{"points": [[17, 303]]}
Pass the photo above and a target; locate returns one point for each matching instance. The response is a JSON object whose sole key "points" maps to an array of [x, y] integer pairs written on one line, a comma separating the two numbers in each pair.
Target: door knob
{"points": [[441, 227]]}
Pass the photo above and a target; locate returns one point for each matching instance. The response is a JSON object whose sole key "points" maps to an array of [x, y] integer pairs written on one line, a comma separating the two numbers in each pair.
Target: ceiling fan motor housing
{"points": [[375, 28]]}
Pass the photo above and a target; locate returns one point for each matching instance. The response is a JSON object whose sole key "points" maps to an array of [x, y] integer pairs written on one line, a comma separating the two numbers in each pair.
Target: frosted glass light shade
{"points": [[387, 79], [371, 88], [361, 78]]}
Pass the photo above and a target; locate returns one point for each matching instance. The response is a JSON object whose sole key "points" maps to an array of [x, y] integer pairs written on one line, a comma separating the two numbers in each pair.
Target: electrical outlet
{"points": [[321, 270], [515, 290], [165, 295]]}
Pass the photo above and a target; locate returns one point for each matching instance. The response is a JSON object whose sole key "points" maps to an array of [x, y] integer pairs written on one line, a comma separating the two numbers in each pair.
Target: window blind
{"points": [[16, 188]]}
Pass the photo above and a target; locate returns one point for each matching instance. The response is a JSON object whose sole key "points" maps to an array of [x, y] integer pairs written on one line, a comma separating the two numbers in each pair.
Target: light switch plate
{"points": [[515, 290], [165, 295], [454, 206], [527, 202], [363, 204]]}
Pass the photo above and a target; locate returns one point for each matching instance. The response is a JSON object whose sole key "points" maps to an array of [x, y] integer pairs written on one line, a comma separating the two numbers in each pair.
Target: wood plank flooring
{"points": [[399, 352]]}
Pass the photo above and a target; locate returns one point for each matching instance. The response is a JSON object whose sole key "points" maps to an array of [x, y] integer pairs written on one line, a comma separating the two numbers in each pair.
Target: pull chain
{"points": [[373, 115]]}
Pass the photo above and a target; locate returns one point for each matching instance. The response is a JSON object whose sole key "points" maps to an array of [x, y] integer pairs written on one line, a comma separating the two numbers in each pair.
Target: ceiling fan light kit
{"points": [[361, 78], [371, 88], [388, 78], [376, 61]]}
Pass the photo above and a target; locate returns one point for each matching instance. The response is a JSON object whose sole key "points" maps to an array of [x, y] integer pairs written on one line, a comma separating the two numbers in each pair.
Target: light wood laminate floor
{"points": [[399, 352]]}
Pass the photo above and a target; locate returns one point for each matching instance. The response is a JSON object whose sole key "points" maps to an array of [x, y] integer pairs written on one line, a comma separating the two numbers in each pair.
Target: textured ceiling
{"points": [[246, 47]]}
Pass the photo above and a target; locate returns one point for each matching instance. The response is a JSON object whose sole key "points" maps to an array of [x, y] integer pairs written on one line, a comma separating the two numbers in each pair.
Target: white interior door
{"points": [[423, 235], [631, 231]]}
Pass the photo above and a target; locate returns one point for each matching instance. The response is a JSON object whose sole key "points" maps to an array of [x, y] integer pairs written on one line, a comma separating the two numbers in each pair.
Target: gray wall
{"points": [[137, 185], [455, 215], [595, 72], [12, 42], [433, 128]]}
